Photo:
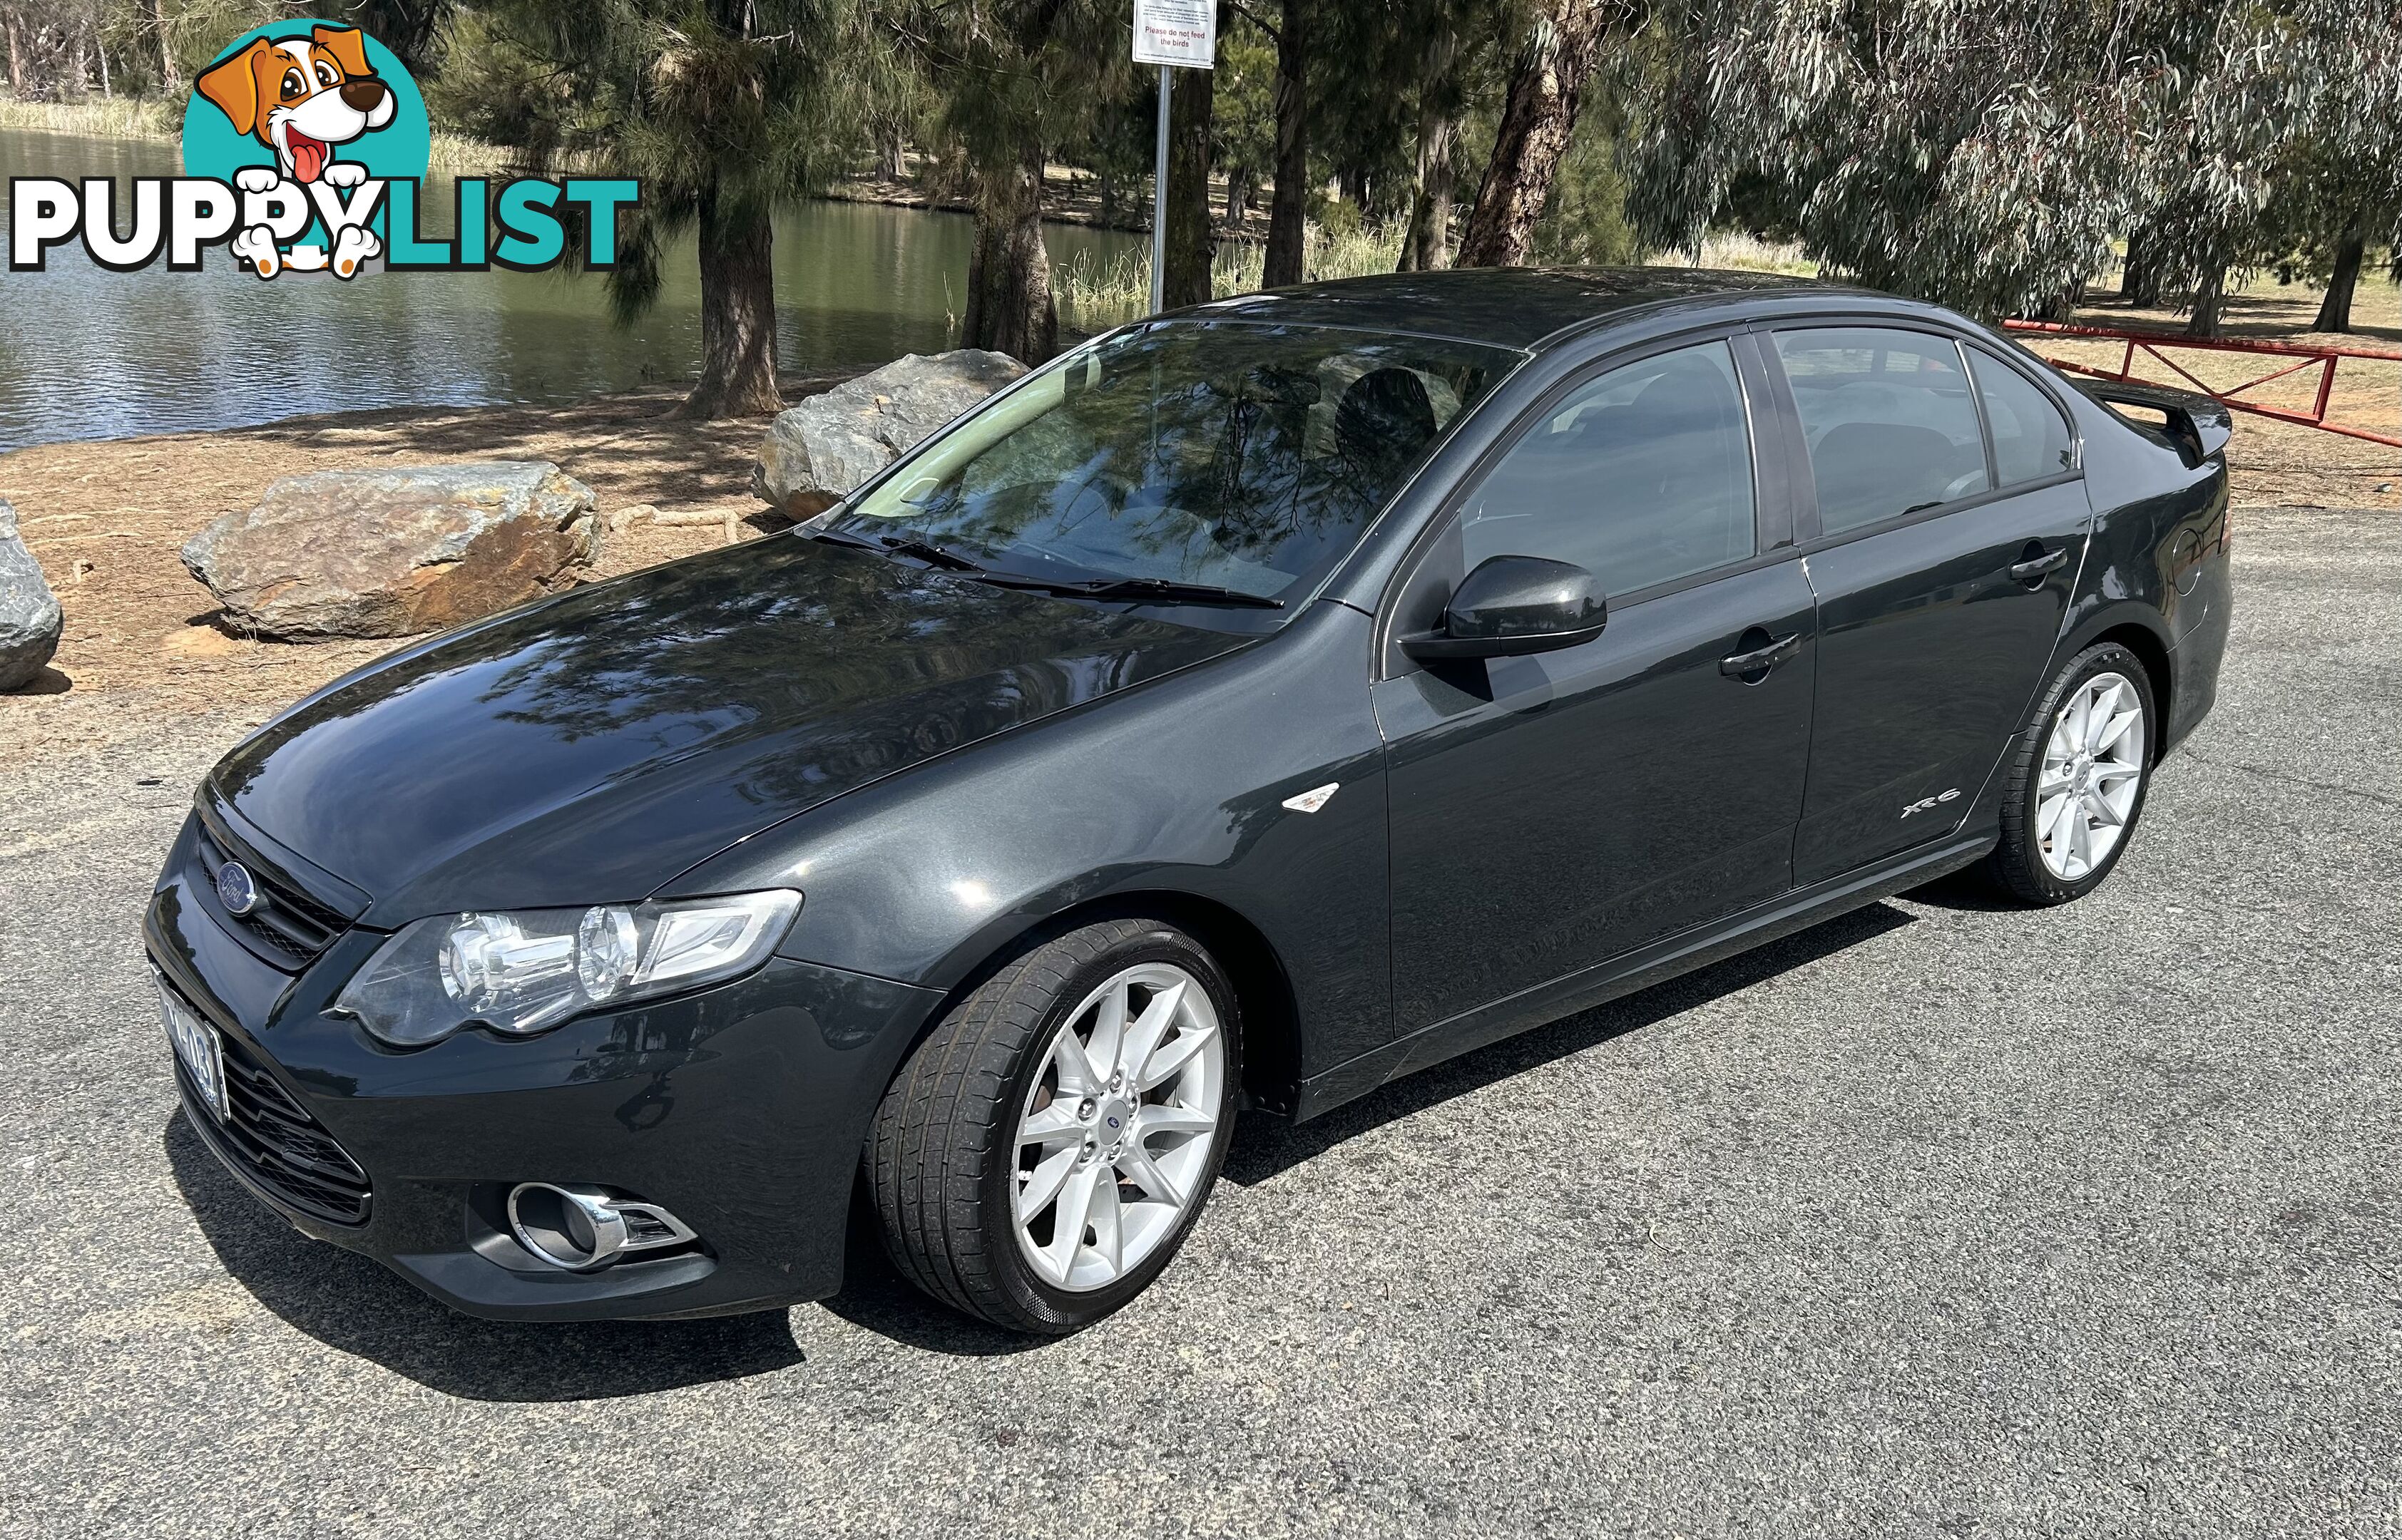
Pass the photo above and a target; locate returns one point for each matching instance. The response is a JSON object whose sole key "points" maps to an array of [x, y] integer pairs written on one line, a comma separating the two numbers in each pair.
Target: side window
{"points": [[1888, 419], [2031, 439], [1641, 477]]}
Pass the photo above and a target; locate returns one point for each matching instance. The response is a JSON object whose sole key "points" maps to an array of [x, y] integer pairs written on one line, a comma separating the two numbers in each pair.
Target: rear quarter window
{"points": [[2031, 439]]}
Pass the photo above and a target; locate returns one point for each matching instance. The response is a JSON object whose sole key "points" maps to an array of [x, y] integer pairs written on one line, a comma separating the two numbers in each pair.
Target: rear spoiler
{"points": [[2197, 426]]}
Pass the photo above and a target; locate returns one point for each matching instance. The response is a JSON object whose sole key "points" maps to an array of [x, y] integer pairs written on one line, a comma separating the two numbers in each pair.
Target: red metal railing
{"points": [[2305, 355]]}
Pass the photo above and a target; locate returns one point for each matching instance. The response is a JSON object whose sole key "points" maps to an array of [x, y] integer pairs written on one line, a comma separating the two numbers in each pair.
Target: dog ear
{"points": [[233, 86], [349, 46]]}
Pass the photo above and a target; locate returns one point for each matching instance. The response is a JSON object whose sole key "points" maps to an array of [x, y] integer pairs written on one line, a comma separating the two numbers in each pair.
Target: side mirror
{"points": [[1515, 605]]}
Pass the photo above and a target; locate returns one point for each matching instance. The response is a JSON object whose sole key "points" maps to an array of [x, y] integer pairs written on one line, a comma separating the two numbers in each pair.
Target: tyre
{"points": [[2076, 779], [1043, 1154]]}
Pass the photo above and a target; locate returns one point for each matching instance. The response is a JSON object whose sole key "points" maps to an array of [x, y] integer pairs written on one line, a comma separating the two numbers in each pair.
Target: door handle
{"points": [[1760, 660], [2033, 569]]}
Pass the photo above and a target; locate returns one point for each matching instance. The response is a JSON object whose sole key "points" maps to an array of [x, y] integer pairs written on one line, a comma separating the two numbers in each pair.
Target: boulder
{"points": [[30, 621], [823, 449], [392, 552]]}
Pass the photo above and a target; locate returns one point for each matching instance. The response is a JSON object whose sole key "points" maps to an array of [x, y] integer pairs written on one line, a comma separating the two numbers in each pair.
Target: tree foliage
{"points": [[1986, 154]]}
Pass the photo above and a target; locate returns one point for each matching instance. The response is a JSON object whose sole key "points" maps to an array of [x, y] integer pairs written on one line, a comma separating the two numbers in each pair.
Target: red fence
{"points": [[2306, 355]]}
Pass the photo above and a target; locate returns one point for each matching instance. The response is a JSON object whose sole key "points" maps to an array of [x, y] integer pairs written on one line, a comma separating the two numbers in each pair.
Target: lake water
{"points": [[88, 353]]}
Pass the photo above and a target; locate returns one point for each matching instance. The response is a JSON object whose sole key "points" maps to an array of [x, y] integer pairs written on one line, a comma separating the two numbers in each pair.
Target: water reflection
{"points": [[86, 353]]}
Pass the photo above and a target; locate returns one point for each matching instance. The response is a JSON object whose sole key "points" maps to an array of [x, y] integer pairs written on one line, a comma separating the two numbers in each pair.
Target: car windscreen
{"points": [[1234, 456]]}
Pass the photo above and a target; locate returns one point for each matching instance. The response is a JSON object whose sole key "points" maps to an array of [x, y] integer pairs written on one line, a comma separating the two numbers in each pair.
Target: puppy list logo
{"points": [[305, 150]]}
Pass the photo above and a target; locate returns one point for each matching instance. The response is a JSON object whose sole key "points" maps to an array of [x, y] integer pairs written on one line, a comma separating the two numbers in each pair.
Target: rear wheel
{"points": [[1043, 1153], [2076, 779]]}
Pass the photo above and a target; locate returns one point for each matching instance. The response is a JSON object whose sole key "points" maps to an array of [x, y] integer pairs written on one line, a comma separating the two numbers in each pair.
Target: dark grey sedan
{"points": [[1253, 706]]}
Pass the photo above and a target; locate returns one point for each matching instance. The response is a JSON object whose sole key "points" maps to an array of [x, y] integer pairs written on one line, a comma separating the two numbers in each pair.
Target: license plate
{"points": [[198, 1048]]}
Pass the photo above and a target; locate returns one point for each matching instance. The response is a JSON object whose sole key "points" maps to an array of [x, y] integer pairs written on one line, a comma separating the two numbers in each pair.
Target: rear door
{"points": [[1943, 516]]}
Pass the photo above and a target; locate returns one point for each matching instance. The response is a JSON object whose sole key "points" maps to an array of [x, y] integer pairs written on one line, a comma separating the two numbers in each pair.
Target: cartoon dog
{"points": [[302, 97]]}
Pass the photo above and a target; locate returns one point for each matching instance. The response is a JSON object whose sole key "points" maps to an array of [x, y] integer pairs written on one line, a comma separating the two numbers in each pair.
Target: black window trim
{"points": [[1771, 453], [1811, 535]]}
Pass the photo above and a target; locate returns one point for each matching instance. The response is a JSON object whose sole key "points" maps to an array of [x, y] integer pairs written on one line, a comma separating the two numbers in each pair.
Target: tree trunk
{"points": [[2335, 310], [1427, 246], [171, 80], [1537, 118], [2139, 285], [1190, 241], [1289, 212], [20, 52], [1010, 306], [738, 313], [1238, 197], [2208, 298], [891, 153]]}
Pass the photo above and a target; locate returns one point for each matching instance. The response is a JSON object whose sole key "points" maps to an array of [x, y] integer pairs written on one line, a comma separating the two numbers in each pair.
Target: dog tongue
{"points": [[307, 157]]}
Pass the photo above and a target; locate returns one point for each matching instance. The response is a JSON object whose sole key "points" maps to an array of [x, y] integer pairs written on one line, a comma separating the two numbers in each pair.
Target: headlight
{"points": [[531, 969]]}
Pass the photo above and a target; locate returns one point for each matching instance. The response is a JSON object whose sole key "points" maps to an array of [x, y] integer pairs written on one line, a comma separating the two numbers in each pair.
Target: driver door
{"points": [[1553, 811]]}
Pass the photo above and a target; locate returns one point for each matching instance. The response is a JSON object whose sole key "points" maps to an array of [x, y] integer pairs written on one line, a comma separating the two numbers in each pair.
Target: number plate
{"points": [[197, 1047]]}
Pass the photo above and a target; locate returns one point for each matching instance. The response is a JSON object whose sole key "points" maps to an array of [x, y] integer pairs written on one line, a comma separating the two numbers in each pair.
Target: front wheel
{"points": [[2076, 779], [1043, 1153]]}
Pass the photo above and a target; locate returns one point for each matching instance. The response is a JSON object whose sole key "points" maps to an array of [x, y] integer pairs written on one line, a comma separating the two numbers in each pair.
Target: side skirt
{"points": [[1639, 969]]}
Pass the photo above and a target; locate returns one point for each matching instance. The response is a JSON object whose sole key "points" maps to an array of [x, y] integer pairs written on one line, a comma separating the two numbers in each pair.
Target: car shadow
{"points": [[353, 1305], [1967, 891], [1267, 1146], [875, 1298]]}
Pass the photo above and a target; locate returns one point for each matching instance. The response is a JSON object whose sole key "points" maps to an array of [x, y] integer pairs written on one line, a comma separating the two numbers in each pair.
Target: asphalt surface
{"points": [[1938, 1221]]}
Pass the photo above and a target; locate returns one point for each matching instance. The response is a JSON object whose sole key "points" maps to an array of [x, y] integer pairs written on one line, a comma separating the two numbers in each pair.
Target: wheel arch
{"points": [[1263, 987], [2153, 653]]}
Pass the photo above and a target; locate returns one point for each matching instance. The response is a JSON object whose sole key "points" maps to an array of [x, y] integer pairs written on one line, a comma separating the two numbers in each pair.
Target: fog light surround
{"points": [[579, 1229]]}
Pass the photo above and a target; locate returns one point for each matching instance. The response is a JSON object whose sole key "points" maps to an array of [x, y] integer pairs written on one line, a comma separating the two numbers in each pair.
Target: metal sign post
{"points": [[1170, 33], [1159, 198]]}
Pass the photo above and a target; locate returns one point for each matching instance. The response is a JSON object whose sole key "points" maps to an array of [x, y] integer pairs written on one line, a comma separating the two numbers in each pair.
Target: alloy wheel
{"points": [[2093, 771], [1114, 1142]]}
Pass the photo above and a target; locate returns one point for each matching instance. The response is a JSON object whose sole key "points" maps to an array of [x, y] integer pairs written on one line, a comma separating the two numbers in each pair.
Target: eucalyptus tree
{"points": [[1453, 38], [1015, 78], [1562, 43], [725, 109], [1987, 156], [2344, 187]]}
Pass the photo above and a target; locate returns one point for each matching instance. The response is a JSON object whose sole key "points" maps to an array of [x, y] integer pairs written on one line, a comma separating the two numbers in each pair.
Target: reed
{"points": [[125, 117], [1097, 294]]}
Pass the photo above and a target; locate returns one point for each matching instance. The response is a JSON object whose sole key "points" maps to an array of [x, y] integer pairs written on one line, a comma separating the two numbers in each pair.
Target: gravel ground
{"points": [[1935, 1220]]}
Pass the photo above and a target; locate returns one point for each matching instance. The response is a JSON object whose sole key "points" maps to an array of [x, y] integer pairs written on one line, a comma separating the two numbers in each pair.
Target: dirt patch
{"points": [[2271, 463], [142, 639]]}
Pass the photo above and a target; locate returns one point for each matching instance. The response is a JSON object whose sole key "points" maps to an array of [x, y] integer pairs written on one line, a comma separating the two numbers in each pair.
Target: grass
{"points": [[125, 117], [130, 117], [1097, 294]]}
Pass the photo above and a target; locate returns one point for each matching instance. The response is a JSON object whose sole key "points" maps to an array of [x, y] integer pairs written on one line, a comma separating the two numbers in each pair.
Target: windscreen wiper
{"points": [[902, 545], [1140, 590]]}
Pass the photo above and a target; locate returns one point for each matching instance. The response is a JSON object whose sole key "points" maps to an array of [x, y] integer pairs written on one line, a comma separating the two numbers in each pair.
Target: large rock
{"points": [[829, 444], [392, 552], [29, 615]]}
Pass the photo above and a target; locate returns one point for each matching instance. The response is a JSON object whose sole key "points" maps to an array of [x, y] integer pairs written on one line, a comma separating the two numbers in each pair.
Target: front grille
{"points": [[290, 927], [274, 1141]]}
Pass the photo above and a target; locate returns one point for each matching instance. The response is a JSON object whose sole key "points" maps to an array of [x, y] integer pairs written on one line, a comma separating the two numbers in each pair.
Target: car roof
{"points": [[1520, 308]]}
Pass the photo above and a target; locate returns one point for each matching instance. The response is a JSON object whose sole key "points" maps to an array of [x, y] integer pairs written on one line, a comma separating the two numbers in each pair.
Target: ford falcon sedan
{"points": [[1256, 704]]}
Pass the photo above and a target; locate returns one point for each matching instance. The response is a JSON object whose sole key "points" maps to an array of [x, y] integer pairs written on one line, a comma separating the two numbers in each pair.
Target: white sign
{"points": [[1176, 31]]}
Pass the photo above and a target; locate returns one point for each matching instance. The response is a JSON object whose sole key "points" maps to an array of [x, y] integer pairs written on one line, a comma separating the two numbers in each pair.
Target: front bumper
{"points": [[741, 1108]]}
